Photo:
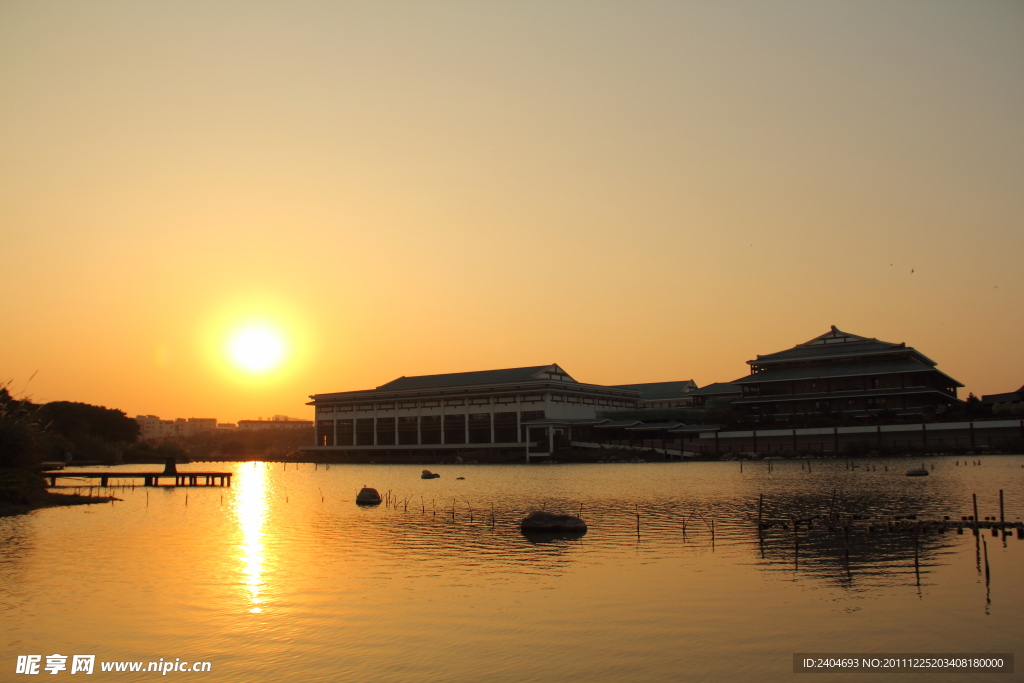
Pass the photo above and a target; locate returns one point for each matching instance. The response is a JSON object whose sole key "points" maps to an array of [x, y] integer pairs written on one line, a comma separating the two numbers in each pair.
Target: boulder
{"points": [[540, 522], [916, 473], [427, 474], [368, 496]]}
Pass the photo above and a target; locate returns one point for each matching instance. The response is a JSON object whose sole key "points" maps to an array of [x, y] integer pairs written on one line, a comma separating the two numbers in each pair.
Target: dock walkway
{"points": [[148, 478]]}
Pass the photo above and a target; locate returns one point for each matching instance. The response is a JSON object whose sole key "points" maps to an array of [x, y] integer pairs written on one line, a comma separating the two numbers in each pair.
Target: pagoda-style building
{"points": [[842, 374]]}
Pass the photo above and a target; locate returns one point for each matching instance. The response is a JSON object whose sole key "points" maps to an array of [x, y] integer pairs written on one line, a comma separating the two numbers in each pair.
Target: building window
{"points": [[346, 436], [364, 431], [430, 429], [505, 428], [480, 428], [385, 431], [455, 429]]}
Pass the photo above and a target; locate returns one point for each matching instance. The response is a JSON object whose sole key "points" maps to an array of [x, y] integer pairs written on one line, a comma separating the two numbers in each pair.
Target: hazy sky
{"points": [[638, 191]]}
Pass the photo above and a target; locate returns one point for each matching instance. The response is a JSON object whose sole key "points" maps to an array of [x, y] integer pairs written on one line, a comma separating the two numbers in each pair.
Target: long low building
{"points": [[532, 408]]}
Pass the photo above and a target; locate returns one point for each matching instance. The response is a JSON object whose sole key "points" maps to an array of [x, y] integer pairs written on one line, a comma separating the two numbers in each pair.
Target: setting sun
{"points": [[257, 349]]}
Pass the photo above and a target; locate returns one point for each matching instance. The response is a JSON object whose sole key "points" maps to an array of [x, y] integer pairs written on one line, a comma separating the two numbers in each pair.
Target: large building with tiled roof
{"points": [[839, 373], [509, 408]]}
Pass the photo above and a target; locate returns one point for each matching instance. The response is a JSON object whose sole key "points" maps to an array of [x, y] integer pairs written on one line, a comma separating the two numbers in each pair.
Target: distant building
{"points": [[841, 373], [276, 422], [1010, 397], [152, 427], [660, 395], [226, 426], [717, 391]]}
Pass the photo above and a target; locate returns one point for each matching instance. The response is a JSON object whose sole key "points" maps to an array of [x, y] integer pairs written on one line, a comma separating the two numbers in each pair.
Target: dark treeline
{"points": [[256, 443], [31, 434]]}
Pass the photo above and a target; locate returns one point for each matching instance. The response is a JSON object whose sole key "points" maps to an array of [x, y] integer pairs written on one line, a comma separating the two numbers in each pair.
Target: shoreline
{"points": [[51, 500]]}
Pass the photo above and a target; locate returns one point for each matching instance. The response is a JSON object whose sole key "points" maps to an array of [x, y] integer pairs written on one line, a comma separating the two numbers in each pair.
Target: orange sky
{"points": [[636, 191]]}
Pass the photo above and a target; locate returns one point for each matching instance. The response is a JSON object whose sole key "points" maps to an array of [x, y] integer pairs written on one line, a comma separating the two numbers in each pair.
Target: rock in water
{"points": [[427, 474], [916, 473], [539, 522], [368, 496]]}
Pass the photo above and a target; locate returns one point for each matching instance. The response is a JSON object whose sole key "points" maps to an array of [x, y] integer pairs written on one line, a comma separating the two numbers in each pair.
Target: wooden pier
{"points": [[148, 478]]}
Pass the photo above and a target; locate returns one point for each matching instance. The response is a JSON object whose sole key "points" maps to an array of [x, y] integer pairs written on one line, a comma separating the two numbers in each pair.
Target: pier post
{"points": [[975, 497]]}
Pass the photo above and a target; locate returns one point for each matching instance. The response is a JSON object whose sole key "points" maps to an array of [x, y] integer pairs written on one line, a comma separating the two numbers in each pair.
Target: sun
{"points": [[257, 349]]}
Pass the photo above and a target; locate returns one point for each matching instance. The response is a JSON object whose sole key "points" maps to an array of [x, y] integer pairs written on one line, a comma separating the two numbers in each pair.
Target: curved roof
{"points": [[479, 377], [838, 344], [656, 390]]}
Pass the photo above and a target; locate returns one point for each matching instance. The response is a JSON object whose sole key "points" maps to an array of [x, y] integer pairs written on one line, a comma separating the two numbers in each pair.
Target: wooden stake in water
{"points": [[760, 509], [318, 489], [637, 519], [984, 547], [917, 566], [1002, 517], [975, 497]]}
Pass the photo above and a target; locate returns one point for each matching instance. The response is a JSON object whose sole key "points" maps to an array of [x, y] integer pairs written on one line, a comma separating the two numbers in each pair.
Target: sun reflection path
{"points": [[251, 512]]}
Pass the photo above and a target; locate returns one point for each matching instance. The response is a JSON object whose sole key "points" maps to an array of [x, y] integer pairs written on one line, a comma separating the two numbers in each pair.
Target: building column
{"points": [[465, 424], [492, 419], [419, 423], [551, 440], [397, 441]]}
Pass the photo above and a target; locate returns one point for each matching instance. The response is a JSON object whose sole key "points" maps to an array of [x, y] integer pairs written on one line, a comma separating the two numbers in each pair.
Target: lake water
{"points": [[283, 578]]}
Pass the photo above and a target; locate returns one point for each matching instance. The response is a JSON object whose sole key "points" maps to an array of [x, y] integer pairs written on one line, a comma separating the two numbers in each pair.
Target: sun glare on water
{"points": [[257, 349]]}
